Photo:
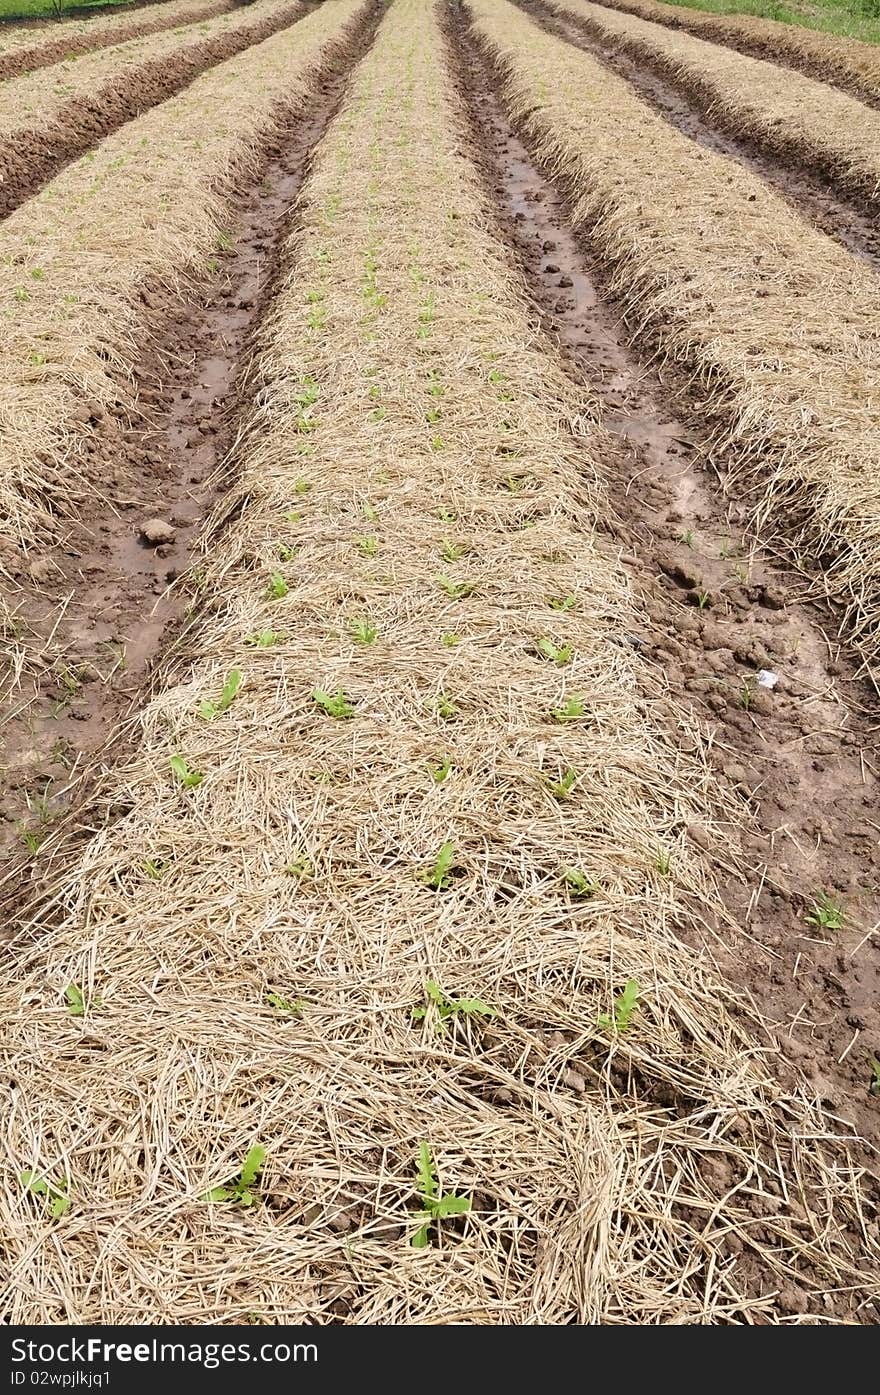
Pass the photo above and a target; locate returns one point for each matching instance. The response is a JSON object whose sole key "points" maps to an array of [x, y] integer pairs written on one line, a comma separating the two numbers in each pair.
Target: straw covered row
{"points": [[847, 63], [806, 123], [777, 324], [34, 45], [146, 207], [389, 890]]}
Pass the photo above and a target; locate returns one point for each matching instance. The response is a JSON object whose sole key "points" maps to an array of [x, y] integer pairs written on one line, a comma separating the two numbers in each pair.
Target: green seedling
{"points": [[293, 516], [292, 1006], [578, 883], [182, 772], [299, 867], [433, 415], [827, 914], [445, 707], [574, 707], [378, 415], [435, 1207], [368, 546], [562, 788], [664, 862], [239, 1189], [562, 602], [335, 705], [155, 867], [687, 537], [31, 839], [558, 654], [55, 1193], [76, 1003], [363, 632], [449, 1007], [746, 693], [449, 639], [437, 876], [624, 1007], [369, 513], [456, 590], [453, 552], [440, 772], [702, 599], [264, 639], [208, 710], [446, 515], [278, 587], [516, 483], [20, 294], [301, 487], [285, 552], [438, 443]]}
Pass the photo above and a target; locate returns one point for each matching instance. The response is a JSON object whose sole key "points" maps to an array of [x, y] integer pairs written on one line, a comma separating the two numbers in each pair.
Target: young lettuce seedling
{"points": [[624, 1007], [435, 1207], [208, 710]]}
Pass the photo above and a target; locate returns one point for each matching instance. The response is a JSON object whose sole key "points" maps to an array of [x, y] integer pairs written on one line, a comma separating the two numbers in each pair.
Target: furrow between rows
{"points": [[53, 115], [393, 884], [776, 324]]}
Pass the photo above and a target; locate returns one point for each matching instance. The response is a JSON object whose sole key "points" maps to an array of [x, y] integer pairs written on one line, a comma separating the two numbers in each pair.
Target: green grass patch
{"points": [[850, 19]]}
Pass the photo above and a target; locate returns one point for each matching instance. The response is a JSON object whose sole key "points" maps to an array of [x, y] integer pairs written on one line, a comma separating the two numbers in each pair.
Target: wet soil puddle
{"points": [[808, 194], [718, 610]]}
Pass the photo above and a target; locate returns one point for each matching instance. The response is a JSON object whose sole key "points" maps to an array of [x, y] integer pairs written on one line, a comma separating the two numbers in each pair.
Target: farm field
{"points": [[440, 601]]}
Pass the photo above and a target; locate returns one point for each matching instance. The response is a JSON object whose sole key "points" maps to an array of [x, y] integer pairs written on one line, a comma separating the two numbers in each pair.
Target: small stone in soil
{"points": [[157, 531]]}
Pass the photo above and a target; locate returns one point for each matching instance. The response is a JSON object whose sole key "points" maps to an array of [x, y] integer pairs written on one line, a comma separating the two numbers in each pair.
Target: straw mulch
{"points": [[35, 44], [846, 63], [777, 325], [414, 515], [36, 101], [790, 116], [144, 209]]}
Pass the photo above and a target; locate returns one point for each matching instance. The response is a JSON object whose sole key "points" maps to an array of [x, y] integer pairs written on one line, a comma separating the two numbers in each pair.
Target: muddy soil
{"points": [[720, 611], [92, 617], [146, 20], [30, 158], [811, 195]]}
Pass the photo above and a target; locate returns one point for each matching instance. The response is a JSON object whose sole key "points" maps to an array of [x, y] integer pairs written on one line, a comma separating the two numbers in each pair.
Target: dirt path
{"points": [[803, 756], [811, 195], [93, 620]]}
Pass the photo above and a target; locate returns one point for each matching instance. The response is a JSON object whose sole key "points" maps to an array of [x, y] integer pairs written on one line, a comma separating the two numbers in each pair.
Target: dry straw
{"points": [[846, 63], [33, 45], [415, 515], [804, 122], [36, 102], [147, 206], [778, 326]]}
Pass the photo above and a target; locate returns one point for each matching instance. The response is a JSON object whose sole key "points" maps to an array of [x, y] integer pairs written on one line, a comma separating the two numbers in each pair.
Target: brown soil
{"points": [[813, 195], [94, 615], [54, 50], [757, 45], [29, 158], [801, 759]]}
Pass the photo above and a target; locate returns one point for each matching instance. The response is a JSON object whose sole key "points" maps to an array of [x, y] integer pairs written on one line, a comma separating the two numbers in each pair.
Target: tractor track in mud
{"points": [[42, 55], [28, 159], [811, 195], [100, 610], [798, 758]]}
